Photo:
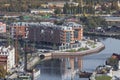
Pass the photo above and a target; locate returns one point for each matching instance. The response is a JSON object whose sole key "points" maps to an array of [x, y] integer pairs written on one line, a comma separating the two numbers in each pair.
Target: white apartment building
{"points": [[7, 57], [42, 11]]}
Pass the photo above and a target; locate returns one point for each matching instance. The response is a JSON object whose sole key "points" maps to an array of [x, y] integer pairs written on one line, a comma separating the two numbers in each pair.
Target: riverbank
{"points": [[36, 60], [110, 70], [113, 35], [89, 62], [33, 62], [100, 46]]}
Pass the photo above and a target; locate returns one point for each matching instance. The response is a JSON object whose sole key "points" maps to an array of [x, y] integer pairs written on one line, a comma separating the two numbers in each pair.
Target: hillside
{"points": [[26, 5]]}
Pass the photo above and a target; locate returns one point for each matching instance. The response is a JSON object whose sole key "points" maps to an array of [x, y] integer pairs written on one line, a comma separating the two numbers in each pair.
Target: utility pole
{"points": [[25, 55], [16, 45], [26, 50]]}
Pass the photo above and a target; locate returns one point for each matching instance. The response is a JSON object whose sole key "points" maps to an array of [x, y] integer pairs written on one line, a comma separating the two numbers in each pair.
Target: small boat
{"points": [[84, 74]]}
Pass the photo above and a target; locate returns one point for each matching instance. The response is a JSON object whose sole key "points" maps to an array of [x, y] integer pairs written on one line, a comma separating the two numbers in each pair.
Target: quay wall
{"points": [[36, 59], [81, 53], [56, 54], [33, 62]]}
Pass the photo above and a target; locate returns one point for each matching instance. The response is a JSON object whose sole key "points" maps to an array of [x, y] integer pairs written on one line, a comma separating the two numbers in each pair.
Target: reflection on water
{"points": [[60, 69], [64, 67]]}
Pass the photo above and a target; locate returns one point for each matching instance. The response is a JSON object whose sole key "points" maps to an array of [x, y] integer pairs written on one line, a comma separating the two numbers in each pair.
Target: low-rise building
{"points": [[19, 30], [2, 27], [61, 4], [56, 4], [42, 11], [7, 57]]}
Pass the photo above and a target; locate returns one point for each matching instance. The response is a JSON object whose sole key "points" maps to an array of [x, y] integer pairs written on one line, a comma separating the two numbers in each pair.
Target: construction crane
{"points": [[16, 45]]}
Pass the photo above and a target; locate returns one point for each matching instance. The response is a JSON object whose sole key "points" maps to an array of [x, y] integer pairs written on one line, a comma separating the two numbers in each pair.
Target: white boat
{"points": [[36, 73]]}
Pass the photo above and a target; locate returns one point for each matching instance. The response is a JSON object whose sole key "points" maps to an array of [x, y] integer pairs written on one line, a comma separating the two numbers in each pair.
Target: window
{"points": [[76, 34], [42, 31], [68, 37]]}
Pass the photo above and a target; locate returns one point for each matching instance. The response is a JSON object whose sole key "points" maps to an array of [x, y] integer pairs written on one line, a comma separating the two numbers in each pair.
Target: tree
{"points": [[2, 71], [113, 62], [114, 5], [66, 8], [54, 46], [57, 11]]}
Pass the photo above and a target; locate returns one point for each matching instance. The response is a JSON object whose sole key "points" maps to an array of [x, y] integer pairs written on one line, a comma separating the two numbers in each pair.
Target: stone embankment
{"points": [[36, 59], [100, 46]]}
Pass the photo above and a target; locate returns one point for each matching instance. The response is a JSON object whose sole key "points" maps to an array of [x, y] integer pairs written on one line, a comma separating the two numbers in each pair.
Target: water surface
{"points": [[63, 68]]}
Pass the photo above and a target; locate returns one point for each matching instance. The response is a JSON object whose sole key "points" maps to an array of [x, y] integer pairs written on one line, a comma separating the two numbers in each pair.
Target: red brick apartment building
{"points": [[49, 33], [19, 30]]}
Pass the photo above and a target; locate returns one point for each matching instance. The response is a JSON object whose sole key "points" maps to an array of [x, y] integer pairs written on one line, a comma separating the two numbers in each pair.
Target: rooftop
{"points": [[68, 25], [41, 9], [65, 26], [5, 50], [112, 18]]}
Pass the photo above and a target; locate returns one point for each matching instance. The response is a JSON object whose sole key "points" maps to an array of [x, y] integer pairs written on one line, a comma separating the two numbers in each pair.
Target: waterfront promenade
{"points": [[99, 46], [56, 54]]}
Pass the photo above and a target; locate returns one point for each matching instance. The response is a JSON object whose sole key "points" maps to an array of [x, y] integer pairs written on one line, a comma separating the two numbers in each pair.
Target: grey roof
{"points": [[112, 18], [67, 25]]}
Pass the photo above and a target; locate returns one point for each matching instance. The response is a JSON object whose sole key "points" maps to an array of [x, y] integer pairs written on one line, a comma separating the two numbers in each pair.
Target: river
{"points": [[63, 68]]}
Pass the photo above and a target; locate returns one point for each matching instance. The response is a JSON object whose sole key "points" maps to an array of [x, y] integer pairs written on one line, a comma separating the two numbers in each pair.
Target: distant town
{"points": [[32, 31]]}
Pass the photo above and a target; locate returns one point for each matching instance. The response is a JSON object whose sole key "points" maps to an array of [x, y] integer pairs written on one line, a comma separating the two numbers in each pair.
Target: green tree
{"points": [[57, 11], [2, 71], [54, 46], [113, 62], [66, 8], [114, 6]]}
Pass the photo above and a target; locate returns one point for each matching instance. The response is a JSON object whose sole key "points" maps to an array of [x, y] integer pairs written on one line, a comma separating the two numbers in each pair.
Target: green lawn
{"points": [[82, 49], [72, 50], [103, 78]]}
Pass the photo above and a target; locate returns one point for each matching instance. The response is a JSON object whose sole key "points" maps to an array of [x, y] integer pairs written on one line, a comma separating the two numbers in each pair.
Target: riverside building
{"points": [[48, 34], [53, 36], [7, 57], [19, 30], [2, 27]]}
